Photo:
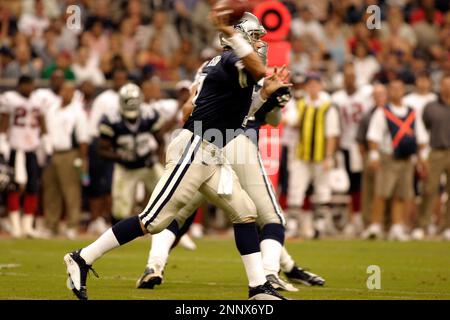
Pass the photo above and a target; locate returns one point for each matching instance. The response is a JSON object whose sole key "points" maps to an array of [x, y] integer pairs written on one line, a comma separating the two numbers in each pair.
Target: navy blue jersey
{"points": [[135, 143], [223, 98]]}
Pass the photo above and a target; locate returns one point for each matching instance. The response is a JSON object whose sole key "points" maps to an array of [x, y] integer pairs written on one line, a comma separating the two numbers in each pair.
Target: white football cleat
{"points": [[374, 231], [418, 234], [187, 243], [196, 231], [432, 230], [397, 233], [71, 234], [153, 276], [446, 234], [279, 284]]}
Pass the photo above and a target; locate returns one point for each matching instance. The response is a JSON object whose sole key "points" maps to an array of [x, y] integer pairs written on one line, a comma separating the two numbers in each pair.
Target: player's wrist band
{"points": [[241, 47], [374, 155]]}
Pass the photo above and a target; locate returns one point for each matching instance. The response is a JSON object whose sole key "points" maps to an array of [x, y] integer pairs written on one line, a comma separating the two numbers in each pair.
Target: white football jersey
{"points": [[24, 127], [45, 98], [351, 109], [418, 101]]}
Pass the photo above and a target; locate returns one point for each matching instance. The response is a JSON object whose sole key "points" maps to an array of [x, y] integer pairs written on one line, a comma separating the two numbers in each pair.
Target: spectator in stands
{"points": [[85, 68], [159, 28], [22, 64], [307, 25], [67, 125], [63, 62], [33, 24], [366, 65], [396, 27], [97, 39]]}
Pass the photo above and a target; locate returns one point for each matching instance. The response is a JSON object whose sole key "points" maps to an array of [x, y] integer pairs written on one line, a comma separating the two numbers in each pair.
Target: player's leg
{"points": [[355, 222], [181, 175], [30, 201], [244, 157], [13, 200], [123, 190], [164, 241]]}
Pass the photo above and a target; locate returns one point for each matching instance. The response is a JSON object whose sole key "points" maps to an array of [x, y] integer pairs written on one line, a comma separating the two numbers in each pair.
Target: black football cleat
{"points": [[298, 275], [151, 278], [264, 292], [77, 270]]}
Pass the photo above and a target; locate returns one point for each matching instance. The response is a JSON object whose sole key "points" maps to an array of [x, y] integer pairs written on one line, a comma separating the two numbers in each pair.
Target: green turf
{"points": [[414, 270]]}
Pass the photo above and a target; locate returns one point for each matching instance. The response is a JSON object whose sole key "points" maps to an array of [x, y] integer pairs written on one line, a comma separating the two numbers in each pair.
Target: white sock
{"points": [[106, 242], [286, 261], [161, 244], [27, 223], [15, 218], [271, 253], [16, 226], [254, 268]]}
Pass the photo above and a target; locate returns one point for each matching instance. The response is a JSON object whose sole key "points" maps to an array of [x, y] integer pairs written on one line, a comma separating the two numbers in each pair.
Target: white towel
{"points": [[20, 168], [225, 180]]}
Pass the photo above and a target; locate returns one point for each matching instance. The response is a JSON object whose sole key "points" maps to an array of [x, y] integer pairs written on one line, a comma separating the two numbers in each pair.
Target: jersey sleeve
{"points": [[106, 128]]}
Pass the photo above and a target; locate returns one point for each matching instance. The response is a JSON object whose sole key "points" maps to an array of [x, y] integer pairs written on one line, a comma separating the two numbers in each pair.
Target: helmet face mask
{"points": [[252, 31], [130, 98]]}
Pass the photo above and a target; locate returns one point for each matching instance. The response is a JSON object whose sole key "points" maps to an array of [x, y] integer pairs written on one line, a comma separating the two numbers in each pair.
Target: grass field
{"points": [[414, 270]]}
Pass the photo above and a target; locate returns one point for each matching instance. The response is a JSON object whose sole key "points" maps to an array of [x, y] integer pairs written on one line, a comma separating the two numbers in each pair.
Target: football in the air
{"points": [[234, 9]]}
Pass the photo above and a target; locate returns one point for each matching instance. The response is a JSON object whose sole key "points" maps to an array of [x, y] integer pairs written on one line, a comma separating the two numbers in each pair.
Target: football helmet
{"points": [[130, 98], [252, 31]]}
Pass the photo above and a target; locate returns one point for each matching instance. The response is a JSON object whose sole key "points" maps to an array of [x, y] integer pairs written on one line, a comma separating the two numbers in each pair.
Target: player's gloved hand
{"points": [[274, 82], [280, 97]]}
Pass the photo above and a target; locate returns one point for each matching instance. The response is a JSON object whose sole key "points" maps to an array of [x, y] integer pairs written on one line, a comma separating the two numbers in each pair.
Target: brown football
{"points": [[234, 9]]}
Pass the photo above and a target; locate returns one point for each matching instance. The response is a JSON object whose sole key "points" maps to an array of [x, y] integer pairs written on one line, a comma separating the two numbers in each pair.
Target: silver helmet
{"points": [[252, 31], [130, 98]]}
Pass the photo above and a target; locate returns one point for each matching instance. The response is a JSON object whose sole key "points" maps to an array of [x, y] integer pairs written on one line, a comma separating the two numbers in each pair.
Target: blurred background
{"points": [[160, 44]]}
